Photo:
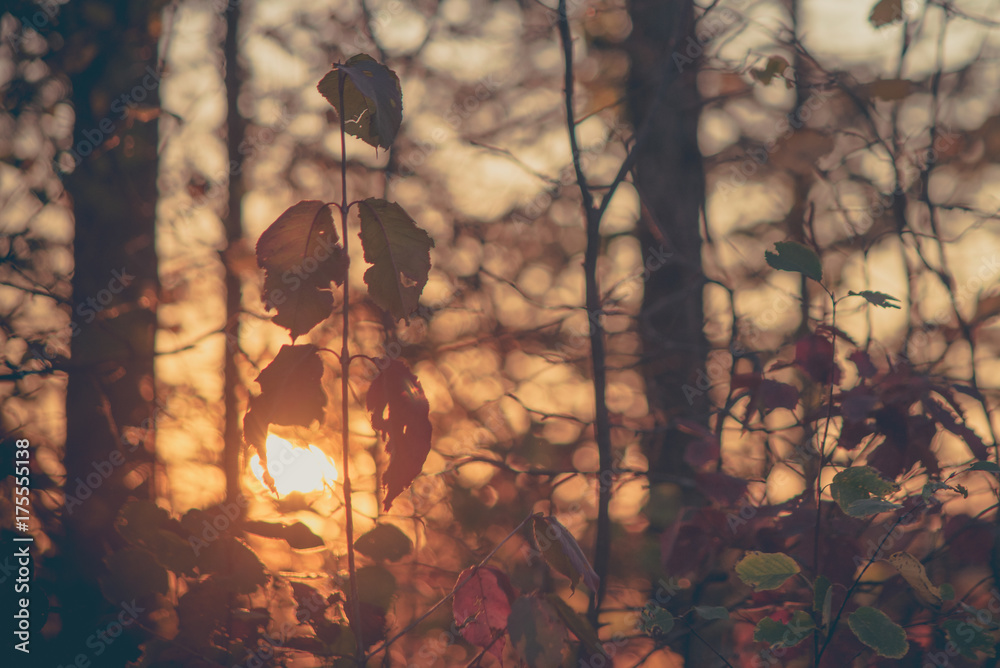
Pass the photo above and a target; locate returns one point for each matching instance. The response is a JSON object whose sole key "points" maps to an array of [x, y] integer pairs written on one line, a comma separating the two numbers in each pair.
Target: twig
{"points": [[602, 542]]}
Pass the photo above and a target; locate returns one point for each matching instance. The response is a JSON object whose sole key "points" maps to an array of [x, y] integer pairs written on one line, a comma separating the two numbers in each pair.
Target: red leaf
{"points": [[726, 490], [481, 607], [401, 414], [861, 359], [814, 354], [291, 393], [300, 256], [702, 452], [775, 394]]}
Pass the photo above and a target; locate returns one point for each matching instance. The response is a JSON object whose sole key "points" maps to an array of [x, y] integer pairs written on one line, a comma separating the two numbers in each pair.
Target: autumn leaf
{"points": [[886, 12], [400, 413], [913, 571], [481, 607], [399, 253], [775, 67], [373, 99], [814, 355], [300, 255], [291, 394], [562, 552]]}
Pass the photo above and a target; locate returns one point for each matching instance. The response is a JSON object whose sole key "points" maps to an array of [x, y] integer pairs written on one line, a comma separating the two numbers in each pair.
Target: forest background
{"points": [[709, 327]]}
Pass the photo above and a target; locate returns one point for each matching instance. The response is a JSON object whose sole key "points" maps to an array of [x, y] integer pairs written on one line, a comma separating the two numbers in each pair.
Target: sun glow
{"points": [[295, 468]]}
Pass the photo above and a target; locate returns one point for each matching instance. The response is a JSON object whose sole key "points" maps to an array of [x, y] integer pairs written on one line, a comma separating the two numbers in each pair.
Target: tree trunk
{"points": [[110, 57], [671, 183]]}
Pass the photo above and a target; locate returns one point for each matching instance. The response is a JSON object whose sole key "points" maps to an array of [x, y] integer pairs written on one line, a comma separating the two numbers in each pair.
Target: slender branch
{"points": [[602, 542], [857, 581], [345, 369]]}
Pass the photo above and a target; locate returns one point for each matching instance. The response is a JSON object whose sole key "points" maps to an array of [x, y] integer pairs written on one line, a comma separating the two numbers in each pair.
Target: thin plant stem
{"points": [[602, 418], [345, 367]]}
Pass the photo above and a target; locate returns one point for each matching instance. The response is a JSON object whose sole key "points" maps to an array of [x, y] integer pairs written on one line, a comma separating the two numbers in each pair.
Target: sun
{"points": [[295, 468]]}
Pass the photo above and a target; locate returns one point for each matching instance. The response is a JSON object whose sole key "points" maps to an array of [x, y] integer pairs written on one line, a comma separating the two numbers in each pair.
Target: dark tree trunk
{"points": [[235, 135], [671, 183], [110, 57]]}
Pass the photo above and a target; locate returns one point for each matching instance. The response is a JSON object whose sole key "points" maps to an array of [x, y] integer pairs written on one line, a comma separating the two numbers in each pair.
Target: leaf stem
{"points": [[345, 368]]}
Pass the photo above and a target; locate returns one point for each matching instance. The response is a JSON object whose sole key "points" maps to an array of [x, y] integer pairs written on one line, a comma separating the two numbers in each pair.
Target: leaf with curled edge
{"points": [[291, 393], [563, 552], [399, 253], [481, 607], [300, 255], [373, 99], [401, 415]]}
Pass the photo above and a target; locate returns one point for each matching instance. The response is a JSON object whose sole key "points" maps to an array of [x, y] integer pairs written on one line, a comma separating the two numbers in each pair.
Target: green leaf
{"points": [[578, 624], [877, 298], [300, 255], [793, 256], [858, 483], [886, 12], [868, 507], [874, 628], [779, 634], [399, 253], [536, 632], [373, 99], [766, 571], [970, 638], [297, 535], [711, 612], [656, 622], [133, 573], [386, 542], [985, 466]]}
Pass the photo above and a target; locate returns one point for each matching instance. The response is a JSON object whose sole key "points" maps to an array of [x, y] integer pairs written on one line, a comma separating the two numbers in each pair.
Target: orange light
{"points": [[295, 468]]}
